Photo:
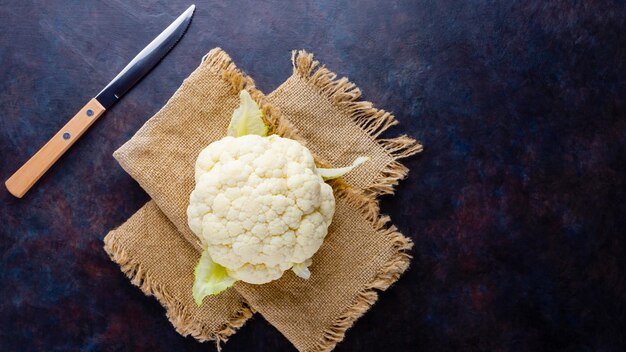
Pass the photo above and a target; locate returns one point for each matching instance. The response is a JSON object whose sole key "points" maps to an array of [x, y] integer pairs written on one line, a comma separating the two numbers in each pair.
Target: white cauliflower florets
{"points": [[259, 206]]}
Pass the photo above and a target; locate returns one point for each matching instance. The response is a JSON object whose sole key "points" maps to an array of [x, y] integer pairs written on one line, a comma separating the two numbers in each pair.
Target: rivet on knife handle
{"points": [[26, 176]]}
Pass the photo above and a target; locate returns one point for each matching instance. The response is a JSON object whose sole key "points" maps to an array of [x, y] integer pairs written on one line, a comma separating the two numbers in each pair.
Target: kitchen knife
{"points": [[26, 176]]}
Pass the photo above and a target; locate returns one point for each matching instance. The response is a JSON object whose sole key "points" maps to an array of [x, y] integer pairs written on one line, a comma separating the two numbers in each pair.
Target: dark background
{"points": [[516, 205]]}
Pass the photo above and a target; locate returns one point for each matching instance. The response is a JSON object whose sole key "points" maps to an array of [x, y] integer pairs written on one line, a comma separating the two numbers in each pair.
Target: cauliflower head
{"points": [[259, 206]]}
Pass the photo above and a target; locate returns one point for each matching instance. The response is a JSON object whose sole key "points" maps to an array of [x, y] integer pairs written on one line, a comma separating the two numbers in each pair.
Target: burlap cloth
{"points": [[362, 252]]}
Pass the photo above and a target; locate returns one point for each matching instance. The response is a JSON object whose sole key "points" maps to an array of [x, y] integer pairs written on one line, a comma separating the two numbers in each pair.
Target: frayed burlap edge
{"points": [[345, 96], [388, 274], [176, 313], [218, 62]]}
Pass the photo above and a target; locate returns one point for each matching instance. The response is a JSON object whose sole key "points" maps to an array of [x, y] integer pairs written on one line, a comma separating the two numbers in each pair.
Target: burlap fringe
{"points": [[176, 313], [217, 61], [388, 274], [345, 95]]}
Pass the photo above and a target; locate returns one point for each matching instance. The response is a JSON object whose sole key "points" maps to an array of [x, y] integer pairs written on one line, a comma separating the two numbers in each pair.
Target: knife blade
{"points": [[27, 175]]}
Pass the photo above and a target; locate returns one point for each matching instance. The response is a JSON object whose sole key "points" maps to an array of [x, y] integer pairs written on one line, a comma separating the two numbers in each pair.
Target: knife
{"points": [[27, 175]]}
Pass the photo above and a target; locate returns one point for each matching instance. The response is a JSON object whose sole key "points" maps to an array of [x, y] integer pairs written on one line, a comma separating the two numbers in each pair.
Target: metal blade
{"points": [[145, 60]]}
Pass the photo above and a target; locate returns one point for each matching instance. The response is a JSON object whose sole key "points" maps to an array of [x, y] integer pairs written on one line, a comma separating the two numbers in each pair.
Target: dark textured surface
{"points": [[516, 205]]}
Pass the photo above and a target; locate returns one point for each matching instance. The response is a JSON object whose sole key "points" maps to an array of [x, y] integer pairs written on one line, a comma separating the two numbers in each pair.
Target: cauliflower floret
{"points": [[259, 206]]}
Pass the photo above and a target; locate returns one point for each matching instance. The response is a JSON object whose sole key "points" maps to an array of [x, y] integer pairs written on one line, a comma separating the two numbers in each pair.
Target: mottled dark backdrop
{"points": [[516, 206]]}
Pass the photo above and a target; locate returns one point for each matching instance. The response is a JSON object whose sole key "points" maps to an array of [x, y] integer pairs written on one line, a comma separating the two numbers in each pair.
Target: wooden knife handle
{"points": [[24, 178]]}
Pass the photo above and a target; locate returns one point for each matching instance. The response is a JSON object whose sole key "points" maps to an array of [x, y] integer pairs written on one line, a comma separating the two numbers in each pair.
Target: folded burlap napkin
{"points": [[362, 252]]}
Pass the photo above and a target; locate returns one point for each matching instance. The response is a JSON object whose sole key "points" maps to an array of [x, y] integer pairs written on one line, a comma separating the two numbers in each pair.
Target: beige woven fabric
{"points": [[156, 258], [361, 253]]}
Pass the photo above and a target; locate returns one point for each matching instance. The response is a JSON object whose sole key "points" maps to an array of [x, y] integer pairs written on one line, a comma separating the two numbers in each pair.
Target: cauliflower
{"points": [[260, 205]]}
